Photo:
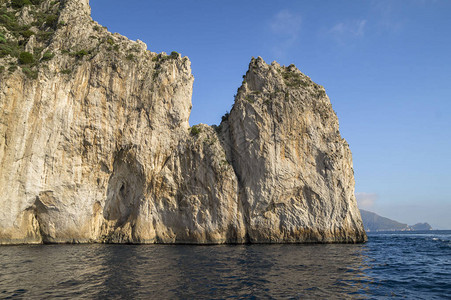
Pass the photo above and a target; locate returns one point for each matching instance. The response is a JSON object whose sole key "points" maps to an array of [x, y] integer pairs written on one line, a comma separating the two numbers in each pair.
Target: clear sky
{"points": [[386, 66]]}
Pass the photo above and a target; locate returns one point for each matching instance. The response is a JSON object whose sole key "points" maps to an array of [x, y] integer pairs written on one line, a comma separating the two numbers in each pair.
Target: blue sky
{"points": [[386, 66]]}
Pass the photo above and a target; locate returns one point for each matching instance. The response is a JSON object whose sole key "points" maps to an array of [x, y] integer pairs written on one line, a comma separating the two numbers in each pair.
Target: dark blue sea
{"points": [[411, 265]]}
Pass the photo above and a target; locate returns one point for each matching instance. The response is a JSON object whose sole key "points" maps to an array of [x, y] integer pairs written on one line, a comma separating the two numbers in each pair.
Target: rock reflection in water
{"points": [[270, 271], [167, 271]]}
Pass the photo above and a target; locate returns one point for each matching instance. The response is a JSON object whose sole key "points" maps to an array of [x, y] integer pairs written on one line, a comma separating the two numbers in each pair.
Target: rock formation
{"points": [[95, 144]]}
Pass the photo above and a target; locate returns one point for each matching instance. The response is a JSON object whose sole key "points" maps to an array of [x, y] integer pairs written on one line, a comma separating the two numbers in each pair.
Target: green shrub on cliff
{"points": [[26, 58], [8, 20], [80, 53], [30, 73], [195, 130], [9, 48], [47, 56], [51, 21], [225, 117], [292, 79], [27, 33], [12, 68], [161, 58], [44, 36], [20, 3]]}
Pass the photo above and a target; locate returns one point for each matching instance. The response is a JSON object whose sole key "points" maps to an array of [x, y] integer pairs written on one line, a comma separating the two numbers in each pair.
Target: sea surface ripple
{"points": [[412, 265]]}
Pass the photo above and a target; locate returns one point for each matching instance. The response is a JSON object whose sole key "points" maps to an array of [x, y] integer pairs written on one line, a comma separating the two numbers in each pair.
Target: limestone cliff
{"points": [[95, 144], [295, 170]]}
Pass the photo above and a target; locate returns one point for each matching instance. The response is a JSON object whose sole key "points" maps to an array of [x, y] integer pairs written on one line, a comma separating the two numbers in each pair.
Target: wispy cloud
{"points": [[286, 23], [344, 31], [286, 26], [365, 200], [388, 19]]}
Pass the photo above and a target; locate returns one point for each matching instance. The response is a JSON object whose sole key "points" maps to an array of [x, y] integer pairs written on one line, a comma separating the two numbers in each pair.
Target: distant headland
{"points": [[374, 222]]}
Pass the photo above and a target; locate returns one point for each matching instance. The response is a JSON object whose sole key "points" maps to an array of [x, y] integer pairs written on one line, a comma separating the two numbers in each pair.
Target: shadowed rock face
{"points": [[95, 146]]}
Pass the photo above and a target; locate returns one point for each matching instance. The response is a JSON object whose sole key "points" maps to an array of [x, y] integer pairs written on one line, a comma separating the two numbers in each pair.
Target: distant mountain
{"points": [[421, 226], [374, 222]]}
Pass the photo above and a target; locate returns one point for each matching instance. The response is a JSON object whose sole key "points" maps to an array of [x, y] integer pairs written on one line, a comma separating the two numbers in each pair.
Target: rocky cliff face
{"points": [[95, 144], [294, 169]]}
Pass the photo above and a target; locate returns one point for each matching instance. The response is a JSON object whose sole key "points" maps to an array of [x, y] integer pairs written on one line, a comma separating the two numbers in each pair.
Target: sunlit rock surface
{"points": [[95, 146]]}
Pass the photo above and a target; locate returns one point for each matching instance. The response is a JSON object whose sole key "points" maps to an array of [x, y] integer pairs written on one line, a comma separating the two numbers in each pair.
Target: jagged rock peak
{"points": [[294, 170], [79, 6], [262, 77], [273, 88]]}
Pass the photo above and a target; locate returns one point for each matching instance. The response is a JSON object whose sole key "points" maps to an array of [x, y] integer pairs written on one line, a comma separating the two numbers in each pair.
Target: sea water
{"points": [[411, 265]]}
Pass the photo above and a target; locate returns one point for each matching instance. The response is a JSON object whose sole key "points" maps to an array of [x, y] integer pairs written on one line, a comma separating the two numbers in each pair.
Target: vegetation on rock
{"points": [[80, 54], [20, 3], [47, 56], [26, 58], [39, 25], [32, 74], [66, 71], [293, 79], [195, 130]]}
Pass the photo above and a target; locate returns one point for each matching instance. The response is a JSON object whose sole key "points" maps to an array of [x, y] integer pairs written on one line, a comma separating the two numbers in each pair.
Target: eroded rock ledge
{"points": [[95, 145]]}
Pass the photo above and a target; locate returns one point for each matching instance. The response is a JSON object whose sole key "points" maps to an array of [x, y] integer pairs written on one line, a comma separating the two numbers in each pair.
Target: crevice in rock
{"points": [[225, 139], [125, 189]]}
